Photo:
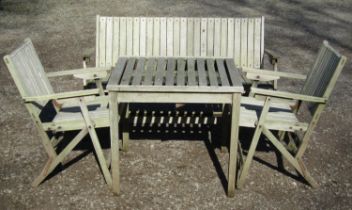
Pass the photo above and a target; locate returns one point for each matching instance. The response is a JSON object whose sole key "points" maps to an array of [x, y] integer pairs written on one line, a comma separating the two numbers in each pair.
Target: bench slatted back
{"points": [[323, 76], [239, 38], [27, 71]]}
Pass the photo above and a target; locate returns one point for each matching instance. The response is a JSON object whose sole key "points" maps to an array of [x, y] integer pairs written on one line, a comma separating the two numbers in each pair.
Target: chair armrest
{"points": [[264, 74], [64, 95], [288, 95], [84, 71]]}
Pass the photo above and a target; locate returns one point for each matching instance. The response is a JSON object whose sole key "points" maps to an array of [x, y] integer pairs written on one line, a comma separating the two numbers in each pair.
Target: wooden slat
{"points": [[26, 73], [117, 71], [202, 77], [244, 41], [183, 37], [137, 77], [250, 39], [102, 41], [232, 71], [136, 33], [127, 75], [203, 37], [257, 44], [156, 40], [262, 42], [237, 42], [211, 73], [170, 74], [181, 65], [190, 37], [143, 37], [170, 37], [149, 73], [123, 38], [150, 36], [109, 41], [176, 36], [223, 41], [116, 40], [159, 76], [217, 37], [191, 74], [129, 36], [210, 37], [163, 37], [230, 37], [222, 73], [196, 40], [97, 42]]}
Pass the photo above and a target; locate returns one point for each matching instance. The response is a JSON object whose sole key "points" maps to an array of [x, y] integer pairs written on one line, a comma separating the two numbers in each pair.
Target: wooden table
{"points": [[174, 80]]}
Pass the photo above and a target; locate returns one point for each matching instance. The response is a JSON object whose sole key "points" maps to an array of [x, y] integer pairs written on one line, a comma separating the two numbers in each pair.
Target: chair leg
{"points": [[95, 141], [52, 162], [306, 174], [295, 162], [43, 174], [255, 139], [249, 157]]}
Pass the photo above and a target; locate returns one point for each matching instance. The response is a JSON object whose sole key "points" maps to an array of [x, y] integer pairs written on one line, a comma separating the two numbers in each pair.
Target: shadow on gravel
{"points": [[171, 123]]}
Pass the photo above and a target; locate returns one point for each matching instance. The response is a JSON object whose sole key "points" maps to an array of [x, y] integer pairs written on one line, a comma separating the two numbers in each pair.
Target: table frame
{"points": [[129, 94]]}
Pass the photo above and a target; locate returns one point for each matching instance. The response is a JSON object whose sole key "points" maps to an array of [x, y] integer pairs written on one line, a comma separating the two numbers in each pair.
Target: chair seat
{"points": [[72, 119], [280, 116]]}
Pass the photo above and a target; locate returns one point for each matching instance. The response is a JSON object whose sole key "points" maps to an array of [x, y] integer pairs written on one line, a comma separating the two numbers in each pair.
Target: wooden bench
{"points": [[241, 39]]}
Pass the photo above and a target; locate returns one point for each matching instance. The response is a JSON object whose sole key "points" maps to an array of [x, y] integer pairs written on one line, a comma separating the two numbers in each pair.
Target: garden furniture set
{"points": [[176, 60]]}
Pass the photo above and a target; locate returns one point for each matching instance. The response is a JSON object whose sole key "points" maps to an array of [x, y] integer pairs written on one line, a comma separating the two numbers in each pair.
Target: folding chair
{"points": [[318, 86], [54, 113]]}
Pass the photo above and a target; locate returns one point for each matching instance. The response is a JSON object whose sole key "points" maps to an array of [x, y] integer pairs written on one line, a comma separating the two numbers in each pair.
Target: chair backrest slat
{"points": [[326, 69], [239, 38], [27, 71]]}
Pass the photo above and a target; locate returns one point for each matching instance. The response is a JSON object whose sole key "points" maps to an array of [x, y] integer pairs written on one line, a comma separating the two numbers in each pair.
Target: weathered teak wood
{"points": [[38, 95], [316, 91], [180, 80]]}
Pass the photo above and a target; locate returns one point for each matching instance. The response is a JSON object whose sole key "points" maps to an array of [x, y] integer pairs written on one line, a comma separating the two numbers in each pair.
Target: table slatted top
{"points": [[143, 74]]}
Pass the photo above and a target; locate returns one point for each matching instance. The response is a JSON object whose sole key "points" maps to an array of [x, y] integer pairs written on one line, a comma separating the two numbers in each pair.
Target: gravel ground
{"points": [[173, 174]]}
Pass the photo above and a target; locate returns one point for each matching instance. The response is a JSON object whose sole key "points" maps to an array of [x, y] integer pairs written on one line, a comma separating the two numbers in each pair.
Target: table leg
{"points": [[114, 139], [235, 114]]}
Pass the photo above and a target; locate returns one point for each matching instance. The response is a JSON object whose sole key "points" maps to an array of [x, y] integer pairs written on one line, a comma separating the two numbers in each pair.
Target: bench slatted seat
{"points": [[316, 91], [54, 113]]}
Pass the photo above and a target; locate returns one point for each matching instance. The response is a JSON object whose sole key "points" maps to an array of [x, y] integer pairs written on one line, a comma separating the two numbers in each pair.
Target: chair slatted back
{"points": [[323, 76], [27, 71], [239, 38]]}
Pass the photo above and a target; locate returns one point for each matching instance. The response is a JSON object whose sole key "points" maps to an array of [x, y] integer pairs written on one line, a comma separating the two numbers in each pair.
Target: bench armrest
{"points": [[273, 56], [63, 95], [288, 95], [269, 75]]}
